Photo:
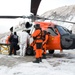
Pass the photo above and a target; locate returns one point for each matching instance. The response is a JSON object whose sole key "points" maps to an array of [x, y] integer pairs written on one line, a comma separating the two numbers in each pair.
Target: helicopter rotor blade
{"points": [[34, 6], [63, 21], [55, 20], [12, 17]]}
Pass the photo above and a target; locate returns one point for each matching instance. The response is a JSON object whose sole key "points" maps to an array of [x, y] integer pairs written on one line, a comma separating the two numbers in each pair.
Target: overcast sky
{"points": [[22, 7]]}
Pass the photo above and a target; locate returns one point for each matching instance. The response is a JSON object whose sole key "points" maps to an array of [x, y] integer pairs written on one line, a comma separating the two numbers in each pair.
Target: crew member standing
{"points": [[13, 43], [24, 38], [45, 40], [11, 33], [37, 36]]}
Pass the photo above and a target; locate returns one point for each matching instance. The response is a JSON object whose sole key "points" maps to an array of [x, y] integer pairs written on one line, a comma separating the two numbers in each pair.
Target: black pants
{"points": [[13, 47]]}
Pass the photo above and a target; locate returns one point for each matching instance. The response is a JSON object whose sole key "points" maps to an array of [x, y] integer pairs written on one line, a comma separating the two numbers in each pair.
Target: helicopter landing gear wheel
{"points": [[51, 51], [29, 51]]}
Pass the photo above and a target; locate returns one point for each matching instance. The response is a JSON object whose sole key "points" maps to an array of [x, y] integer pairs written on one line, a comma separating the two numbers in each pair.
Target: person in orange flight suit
{"points": [[37, 36], [45, 39], [7, 40]]}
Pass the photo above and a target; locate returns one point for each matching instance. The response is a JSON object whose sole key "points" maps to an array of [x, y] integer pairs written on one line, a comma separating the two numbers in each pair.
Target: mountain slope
{"points": [[65, 13]]}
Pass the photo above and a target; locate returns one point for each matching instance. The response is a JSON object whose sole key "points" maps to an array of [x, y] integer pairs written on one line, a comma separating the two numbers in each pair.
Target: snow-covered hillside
{"points": [[65, 13]]}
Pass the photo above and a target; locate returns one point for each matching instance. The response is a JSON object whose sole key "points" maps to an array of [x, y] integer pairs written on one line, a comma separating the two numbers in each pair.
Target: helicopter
{"points": [[60, 37]]}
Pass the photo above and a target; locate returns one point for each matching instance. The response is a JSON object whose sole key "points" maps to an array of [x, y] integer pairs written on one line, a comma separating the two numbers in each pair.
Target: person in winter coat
{"points": [[13, 43], [37, 36], [24, 39]]}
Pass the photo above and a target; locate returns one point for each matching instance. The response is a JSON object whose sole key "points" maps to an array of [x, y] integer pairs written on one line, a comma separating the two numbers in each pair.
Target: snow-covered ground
{"points": [[56, 64]]}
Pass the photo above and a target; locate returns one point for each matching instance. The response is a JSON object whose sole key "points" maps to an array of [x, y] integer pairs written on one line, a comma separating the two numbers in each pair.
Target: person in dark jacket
{"points": [[14, 41]]}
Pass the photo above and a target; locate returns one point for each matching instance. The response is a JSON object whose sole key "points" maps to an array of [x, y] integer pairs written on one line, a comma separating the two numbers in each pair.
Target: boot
{"points": [[44, 56], [40, 59], [36, 61]]}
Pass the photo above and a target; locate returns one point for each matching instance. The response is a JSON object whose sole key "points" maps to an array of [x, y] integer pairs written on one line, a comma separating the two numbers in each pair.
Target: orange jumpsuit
{"points": [[7, 40], [32, 44], [45, 43], [38, 43]]}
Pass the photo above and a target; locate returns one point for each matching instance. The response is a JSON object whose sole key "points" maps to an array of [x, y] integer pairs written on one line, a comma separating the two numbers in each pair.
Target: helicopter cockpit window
{"points": [[62, 31], [28, 25], [52, 31], [69, 31]]}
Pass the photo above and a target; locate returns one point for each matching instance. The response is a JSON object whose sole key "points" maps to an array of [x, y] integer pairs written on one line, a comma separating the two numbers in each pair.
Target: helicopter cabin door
{"points": [[67, 40], [54, 39]]}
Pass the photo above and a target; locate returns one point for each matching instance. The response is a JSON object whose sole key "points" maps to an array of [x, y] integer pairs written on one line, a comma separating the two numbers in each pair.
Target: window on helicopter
{"points": [[52, 32], [62, 31], [28, 25], [69, 31]]}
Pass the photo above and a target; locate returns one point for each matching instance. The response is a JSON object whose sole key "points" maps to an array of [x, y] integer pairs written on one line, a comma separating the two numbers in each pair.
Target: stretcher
{"points": [[4, 48]]}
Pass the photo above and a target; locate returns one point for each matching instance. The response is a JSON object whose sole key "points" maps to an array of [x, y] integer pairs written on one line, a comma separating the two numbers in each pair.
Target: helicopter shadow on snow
{"points": [[65, 54]]}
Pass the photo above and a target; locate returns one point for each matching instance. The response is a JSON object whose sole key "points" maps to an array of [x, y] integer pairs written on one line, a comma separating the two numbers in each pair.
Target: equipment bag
{"points": [[39, 45], [17, 47]]}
